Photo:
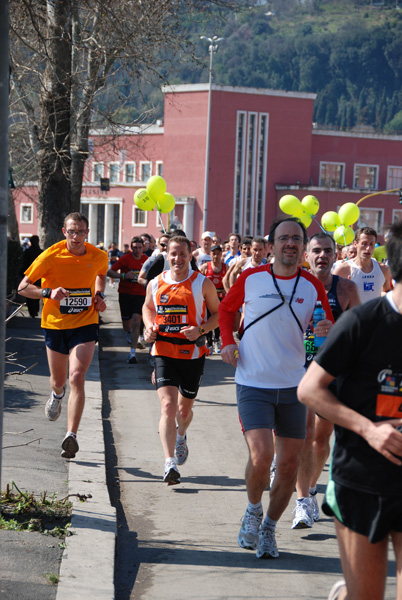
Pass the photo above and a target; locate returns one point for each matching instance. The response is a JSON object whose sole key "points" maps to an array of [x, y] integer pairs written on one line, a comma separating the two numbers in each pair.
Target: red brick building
{"points": [[262, 145]]}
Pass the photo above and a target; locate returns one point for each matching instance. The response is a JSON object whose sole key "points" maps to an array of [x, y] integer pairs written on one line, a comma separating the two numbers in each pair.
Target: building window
{"points": [[365, 177], [397, 215], [139, 216], [371, 217], [114, 172], [129, 172], [250, 174], [145, 171], [159, 168], [331, 174], [97, 172], [239, 170], [26, 214], [394, 178], [261, 174]]}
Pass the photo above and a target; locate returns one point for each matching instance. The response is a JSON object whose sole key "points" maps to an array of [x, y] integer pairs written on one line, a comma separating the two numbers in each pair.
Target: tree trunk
{"points": [[54, 156], [12, 223]]}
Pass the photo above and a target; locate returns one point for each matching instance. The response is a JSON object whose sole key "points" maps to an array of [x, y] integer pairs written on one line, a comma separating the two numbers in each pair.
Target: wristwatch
{"points": [[201, 330], [46, 292], [101, 294]]}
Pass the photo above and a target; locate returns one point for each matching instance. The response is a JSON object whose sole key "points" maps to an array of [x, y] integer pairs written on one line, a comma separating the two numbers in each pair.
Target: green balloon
{"points": [[156, 187], [344, 235], [167, 203], [330, 220], [290, 205], [311, 205], [349, 213], [143, 200]]}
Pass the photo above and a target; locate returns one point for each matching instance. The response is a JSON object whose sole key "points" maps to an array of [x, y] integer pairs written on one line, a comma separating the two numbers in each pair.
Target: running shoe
{"points": [[336, 589], [267, 547], [303, 514], [140, 343], [70, 446], [248, 534], [217, 347], [181, 451], [315, 509], [132, 359], [53, 406], [171, 475]]}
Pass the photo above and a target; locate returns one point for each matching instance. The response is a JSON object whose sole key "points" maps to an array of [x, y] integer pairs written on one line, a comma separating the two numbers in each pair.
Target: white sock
{"points": [[180, 438], [313, 490], [71, 433], [255, 508], [132, 351], [269, 522], [58, 396]]}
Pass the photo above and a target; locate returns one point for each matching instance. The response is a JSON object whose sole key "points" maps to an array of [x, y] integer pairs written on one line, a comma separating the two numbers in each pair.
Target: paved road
{"points": [[180, 542]]}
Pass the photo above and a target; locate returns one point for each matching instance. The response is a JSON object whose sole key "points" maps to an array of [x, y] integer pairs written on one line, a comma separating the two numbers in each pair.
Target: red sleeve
{"points": [[229, 307], [120, 262]]}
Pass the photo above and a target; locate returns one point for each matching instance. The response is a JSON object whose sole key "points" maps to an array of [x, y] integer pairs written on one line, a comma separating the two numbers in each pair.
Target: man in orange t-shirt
{"points": [[73, 275]]}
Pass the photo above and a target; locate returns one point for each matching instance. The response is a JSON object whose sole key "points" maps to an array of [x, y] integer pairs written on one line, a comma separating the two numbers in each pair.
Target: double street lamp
{"points": [[213, 47]]}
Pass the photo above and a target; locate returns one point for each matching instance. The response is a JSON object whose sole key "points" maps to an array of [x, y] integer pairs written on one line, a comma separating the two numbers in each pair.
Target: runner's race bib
{"points": [[76, 302], [389, 397]]}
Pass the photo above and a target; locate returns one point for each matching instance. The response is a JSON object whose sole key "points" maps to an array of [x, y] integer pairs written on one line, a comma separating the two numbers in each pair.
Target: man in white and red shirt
{"points": [[131, 293], [279, 300]]}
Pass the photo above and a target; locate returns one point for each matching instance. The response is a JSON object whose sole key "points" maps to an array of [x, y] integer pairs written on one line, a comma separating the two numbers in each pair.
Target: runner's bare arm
{"points": [[27, 289], [388, 277], [211, 300], [148, 315]]}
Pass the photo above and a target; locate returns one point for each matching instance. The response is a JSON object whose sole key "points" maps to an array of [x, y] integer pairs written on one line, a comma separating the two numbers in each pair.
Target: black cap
{"points": [[216, 247]]}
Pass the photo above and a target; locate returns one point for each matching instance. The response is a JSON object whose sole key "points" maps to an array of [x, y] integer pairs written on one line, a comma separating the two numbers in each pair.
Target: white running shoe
{"points": [[248, 534], [315, 509], [140, 344], [267, 547], [181, 451], [217, 347], [53, 407], [303, 514], [336, 589], [171, 475]]}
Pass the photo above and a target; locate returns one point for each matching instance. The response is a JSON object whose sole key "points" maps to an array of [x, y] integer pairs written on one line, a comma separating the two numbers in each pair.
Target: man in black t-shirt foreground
{"points": [[363, 351]]}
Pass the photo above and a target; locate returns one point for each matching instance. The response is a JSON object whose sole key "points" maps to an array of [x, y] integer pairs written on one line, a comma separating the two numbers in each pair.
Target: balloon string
{"points": [[160, 218], [319, 224]]}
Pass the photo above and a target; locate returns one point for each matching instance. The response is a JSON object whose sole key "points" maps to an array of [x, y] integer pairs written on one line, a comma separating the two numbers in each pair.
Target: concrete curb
{"points": [[87, 567]]}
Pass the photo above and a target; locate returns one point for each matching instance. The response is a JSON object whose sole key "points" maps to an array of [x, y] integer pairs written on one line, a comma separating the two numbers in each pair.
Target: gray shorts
{"points": [[277, 409]]}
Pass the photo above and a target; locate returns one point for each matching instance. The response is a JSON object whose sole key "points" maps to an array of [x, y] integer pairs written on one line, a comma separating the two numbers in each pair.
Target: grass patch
{"points": [[23, 511], [52, 578]]}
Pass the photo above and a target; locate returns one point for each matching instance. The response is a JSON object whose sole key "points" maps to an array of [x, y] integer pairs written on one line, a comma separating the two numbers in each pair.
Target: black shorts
{"points": [[130, 305], [64, 340], [183, 374], [368, 514]]}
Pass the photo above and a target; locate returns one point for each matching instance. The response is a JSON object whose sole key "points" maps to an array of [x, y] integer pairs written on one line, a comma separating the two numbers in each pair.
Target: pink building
{"points": [[262, 145]]}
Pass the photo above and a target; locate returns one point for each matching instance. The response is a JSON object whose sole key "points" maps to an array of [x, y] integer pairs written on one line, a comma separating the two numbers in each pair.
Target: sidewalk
{"points": [[87, 563]]}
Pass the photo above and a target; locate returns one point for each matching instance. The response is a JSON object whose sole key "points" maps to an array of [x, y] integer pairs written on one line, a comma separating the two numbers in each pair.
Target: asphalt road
{"points": [[180, 542]]}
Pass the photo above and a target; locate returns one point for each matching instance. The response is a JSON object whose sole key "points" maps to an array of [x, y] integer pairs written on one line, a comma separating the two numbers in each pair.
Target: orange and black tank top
{"points": [[177, 305]]}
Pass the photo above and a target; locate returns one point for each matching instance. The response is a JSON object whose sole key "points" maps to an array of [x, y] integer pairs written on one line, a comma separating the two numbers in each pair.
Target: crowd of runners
{"points": [[251, 300]]}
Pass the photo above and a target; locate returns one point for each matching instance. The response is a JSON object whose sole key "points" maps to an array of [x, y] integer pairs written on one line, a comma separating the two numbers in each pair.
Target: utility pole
{"points": [[213, 47], [4, 92]]}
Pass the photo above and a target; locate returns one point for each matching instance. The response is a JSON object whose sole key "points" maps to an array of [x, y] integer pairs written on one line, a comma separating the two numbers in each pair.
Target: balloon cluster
{"points": [[304, 210], [154, 195], [340, 223]]}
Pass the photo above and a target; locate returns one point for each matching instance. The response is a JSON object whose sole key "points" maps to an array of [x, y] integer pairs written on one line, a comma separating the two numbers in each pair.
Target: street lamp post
{"points": [[213, 47]]}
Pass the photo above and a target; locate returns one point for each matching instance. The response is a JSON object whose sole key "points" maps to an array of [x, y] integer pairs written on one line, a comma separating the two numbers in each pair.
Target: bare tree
{"points": [[65, 55]]}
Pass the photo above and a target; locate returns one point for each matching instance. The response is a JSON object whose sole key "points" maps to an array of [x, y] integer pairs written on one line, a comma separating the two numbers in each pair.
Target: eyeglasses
{"points": [[285, 238], [162, 245], [73, 232]]}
